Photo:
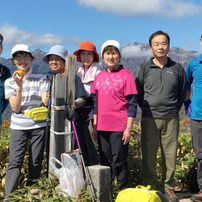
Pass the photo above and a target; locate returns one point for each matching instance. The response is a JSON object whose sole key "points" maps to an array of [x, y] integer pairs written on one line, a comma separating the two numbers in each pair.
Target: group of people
{"points": [[104, 110]]}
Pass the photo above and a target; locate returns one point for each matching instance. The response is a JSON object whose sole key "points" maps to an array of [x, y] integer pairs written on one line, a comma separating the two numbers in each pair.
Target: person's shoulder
{"points": [[10, 81], [101, 73], [126, 71], [5, 72], [175, 64], [38, 76], [96, 64], [195, 61], [5, 68], [145, 64]]}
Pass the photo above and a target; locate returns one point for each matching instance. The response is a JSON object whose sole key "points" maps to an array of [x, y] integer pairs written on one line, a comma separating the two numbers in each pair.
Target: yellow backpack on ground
{"points": [[138, 194]]}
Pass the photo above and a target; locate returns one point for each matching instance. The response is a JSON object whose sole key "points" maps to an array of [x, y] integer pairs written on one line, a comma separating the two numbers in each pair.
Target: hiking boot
{"points": [[170, 195], [197, 197]]}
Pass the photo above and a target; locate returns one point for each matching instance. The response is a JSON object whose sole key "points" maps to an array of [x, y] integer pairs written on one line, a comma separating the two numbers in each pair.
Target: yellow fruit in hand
{"points": [[20, 73]]}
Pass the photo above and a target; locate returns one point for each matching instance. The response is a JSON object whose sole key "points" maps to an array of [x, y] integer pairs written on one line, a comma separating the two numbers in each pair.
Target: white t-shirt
{"points": [[33, 86]]}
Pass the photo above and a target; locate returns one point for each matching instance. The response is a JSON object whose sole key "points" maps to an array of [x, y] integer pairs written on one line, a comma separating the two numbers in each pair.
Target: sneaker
{"points": [[170, 195], [197, 197]]}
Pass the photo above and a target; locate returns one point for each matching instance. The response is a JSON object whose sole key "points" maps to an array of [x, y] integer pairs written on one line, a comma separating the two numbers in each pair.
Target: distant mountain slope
{"points": [[132, 55], [136, 53]]}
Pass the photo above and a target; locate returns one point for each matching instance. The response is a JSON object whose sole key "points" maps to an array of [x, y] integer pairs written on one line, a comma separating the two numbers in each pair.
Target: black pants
{"points": [[196, 133], [90, 154], [114, 153], [84, 130]]}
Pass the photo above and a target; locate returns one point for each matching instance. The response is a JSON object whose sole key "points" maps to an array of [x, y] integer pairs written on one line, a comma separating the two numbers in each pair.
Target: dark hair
{"points": [[22, 53], [111, 48], [159, 33]]}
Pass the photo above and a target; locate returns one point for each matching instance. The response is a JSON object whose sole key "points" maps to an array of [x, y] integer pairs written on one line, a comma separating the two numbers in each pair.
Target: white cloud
{"points": [[136, 50], [166, 8], [12, 35]]}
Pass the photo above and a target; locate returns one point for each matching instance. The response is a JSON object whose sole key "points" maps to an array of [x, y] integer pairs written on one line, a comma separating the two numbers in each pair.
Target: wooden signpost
{"points": [[62, 93]]}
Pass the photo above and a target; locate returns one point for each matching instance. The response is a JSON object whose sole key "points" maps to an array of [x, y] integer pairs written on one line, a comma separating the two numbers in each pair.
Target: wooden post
{"points": [[70, 71], [62, 93]]}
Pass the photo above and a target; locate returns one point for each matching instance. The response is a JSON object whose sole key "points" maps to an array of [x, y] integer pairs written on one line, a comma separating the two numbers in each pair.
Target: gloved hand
{"points": [[187, 105]]}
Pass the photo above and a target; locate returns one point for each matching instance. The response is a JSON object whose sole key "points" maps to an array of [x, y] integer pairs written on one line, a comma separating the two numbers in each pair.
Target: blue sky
{"points": [[43, 23]]}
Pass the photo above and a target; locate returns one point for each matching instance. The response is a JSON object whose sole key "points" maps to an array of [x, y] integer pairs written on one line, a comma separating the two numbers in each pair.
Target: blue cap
{"points": [[56, 50]]}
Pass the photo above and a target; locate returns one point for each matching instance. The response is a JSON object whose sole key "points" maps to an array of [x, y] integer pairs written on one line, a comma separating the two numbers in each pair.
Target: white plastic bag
{"points": [[69, 175], [76, 171], [75, 154]]}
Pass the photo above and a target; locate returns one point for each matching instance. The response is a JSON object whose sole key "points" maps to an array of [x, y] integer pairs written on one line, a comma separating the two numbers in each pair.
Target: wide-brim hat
{"points": [[111, 43], [56, 50], [87, 46], [20, 47]]}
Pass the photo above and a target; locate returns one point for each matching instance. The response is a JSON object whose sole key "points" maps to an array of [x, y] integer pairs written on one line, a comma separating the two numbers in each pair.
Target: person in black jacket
{"points": [[4, 74], [161, 92]]}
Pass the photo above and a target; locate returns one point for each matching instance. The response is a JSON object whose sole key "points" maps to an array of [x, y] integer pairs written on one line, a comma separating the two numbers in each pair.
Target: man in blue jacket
{"points": [[4, 74], [193, 106]]}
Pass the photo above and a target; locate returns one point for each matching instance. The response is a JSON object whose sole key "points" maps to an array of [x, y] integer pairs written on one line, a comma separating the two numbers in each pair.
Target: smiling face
{"points": [[57, 64], [23, 61], [87, 58], [111, 57], [160, 46]]}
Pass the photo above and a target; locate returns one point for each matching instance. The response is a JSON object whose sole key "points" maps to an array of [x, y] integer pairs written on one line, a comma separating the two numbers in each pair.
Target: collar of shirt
{"points": [[169, 63], [116, 70], [28, 73]]}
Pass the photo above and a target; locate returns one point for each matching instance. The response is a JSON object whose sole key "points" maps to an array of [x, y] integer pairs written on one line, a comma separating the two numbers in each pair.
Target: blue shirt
{"points": [[194, 76]]}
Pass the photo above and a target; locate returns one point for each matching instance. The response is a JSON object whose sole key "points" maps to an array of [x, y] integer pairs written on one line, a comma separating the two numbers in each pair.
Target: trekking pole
{"points": [[88, 179], [45, 153]]}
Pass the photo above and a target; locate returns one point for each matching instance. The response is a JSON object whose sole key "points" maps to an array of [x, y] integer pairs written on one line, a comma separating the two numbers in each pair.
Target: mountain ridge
{"points": [[133, 55]]}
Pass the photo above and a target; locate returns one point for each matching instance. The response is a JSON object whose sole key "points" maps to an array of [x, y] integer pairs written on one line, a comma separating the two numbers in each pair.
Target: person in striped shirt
{"points": [[25, 91]]}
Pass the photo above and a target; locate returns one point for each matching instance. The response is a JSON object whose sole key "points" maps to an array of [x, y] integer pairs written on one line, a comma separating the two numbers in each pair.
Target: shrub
{"points": [[44, 189]]}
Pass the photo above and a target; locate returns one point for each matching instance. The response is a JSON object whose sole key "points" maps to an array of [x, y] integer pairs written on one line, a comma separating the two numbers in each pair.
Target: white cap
{"points": [[111, 43], [20, 47]]}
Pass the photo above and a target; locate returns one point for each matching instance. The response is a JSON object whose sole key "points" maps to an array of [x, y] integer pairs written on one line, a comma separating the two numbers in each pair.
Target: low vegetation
{"points": [[44, 189]]}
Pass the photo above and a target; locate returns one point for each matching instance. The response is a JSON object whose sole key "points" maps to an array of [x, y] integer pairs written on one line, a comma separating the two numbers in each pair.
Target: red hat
{"points": [[87, 46]]}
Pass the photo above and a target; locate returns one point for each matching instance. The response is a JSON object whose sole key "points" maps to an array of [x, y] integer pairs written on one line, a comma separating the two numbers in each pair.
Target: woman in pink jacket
{"points": [[115, 107]]}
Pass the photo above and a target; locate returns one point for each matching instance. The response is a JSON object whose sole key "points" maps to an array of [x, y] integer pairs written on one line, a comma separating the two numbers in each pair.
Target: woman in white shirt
{"points": [[88, 56]]}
